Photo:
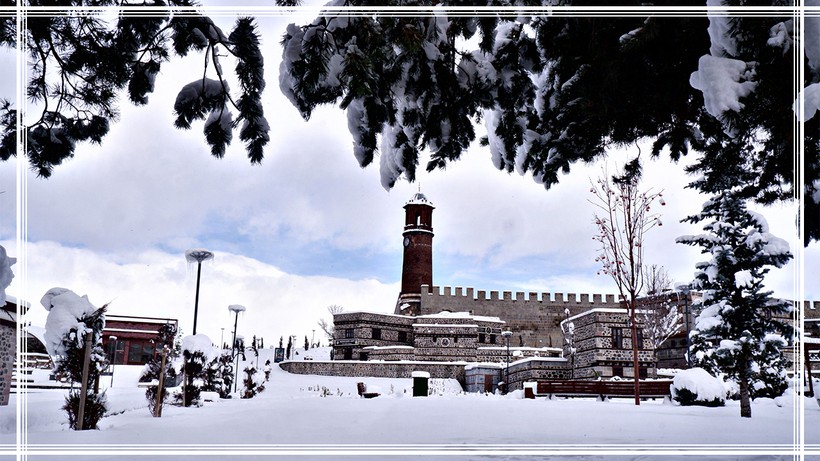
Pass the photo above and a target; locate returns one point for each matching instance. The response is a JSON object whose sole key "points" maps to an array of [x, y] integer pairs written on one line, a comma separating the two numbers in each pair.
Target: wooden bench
{"points": [[602, 389], [363, 391]]}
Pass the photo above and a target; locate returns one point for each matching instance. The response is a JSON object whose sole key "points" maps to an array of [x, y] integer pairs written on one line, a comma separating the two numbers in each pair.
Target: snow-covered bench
{"points": [[602, 389], [362, 388]]}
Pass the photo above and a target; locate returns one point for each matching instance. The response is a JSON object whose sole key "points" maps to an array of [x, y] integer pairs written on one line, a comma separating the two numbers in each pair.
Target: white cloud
{"points": [[159, 284]]}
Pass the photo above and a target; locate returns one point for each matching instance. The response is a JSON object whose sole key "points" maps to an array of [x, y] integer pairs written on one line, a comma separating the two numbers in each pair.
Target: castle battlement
{"points": [[470, 293]]}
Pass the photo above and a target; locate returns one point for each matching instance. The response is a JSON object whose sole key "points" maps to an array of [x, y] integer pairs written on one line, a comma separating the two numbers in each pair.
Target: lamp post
{"points": [[197, 256], [507, 334], [221, 338], [239, 348], [113, 340], [312, 337], [235, 308]]}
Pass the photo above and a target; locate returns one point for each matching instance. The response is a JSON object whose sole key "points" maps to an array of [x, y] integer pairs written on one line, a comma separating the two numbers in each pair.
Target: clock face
{"points": [[406, 241]]}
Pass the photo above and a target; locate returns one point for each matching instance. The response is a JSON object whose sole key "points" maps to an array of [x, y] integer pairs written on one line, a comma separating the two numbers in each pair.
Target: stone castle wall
{"points": [[533, 318]]}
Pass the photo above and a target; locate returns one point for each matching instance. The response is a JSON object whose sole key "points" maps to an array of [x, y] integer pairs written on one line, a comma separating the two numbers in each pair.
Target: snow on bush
{"points": [[198, 343], [5, 273], [695, 386], [65, 309]]}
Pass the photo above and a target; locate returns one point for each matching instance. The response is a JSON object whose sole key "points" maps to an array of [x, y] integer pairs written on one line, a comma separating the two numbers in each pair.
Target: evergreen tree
{"points": [[166, 336], [195, 372], [250, 388], [290, 347], [738, 331], [218, 375], [307, 344], [70, 365]]}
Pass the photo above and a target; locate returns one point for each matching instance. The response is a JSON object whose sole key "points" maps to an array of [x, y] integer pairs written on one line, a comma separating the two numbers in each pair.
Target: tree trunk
{"points": [[635, 366], [743, 377], [84, 382]]}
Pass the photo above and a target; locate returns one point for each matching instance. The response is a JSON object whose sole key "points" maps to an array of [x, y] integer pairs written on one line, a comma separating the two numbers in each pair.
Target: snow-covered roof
{"points": [[127, 318], [12, 300], [612, 310], [419, 199], [513, 348], [462, 315], [381, 348], [377, 313], [129, 330], [445, 325]]}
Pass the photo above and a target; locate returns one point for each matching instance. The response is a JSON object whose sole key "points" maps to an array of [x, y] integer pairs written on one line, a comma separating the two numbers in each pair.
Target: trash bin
{"points": [[420, 383], [529, 390]]}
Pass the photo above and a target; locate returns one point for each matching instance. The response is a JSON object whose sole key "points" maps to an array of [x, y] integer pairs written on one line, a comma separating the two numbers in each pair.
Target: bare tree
{"points": [[568, 329], [659, 316], [661, 320], [625, 216], [656, 280], [327, 327]]}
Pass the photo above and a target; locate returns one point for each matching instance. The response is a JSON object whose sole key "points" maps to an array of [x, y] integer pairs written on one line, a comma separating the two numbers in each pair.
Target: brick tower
{"points": [[417, 266]]}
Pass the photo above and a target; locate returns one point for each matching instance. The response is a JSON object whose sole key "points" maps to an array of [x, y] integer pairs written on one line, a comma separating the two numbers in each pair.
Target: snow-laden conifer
{"points": [[741, 329]]}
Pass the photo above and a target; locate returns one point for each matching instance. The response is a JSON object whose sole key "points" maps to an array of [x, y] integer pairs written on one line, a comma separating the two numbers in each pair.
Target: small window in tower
{"points": [[492, 339], [348, 333], [377, 333], [402, 336], [481, 337]]}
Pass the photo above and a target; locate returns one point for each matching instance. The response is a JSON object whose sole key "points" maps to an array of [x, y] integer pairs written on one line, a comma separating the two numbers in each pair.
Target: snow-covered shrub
{"points": [[6, 275], [71, 319], [218, 375], [195, 352], [696, 386], [95, 408], [165, 338], [250, 387]]}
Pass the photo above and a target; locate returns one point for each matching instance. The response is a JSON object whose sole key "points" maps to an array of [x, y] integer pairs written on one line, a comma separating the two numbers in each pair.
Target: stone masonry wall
{"points": [[8, 352], [595, 352], [532, 317], [811, 310], [534, 369], [376, 369]]}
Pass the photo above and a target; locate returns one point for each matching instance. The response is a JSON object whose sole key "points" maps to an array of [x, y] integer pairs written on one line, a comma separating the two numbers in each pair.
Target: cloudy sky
{"points": [[308, 228]]}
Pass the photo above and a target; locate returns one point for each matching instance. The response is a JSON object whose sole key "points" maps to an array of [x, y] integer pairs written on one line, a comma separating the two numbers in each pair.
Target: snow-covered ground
{"points": [[323, 416]]}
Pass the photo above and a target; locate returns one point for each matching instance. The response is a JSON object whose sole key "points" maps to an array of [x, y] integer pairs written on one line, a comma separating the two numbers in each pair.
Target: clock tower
{"points": [[417, 265]]}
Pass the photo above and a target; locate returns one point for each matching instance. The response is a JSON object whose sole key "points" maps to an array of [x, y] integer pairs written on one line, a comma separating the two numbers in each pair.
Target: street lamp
{"points": [[507, 334], [239, 349], [221, 340], [113, 341], [235, 308], [197, 256]]}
